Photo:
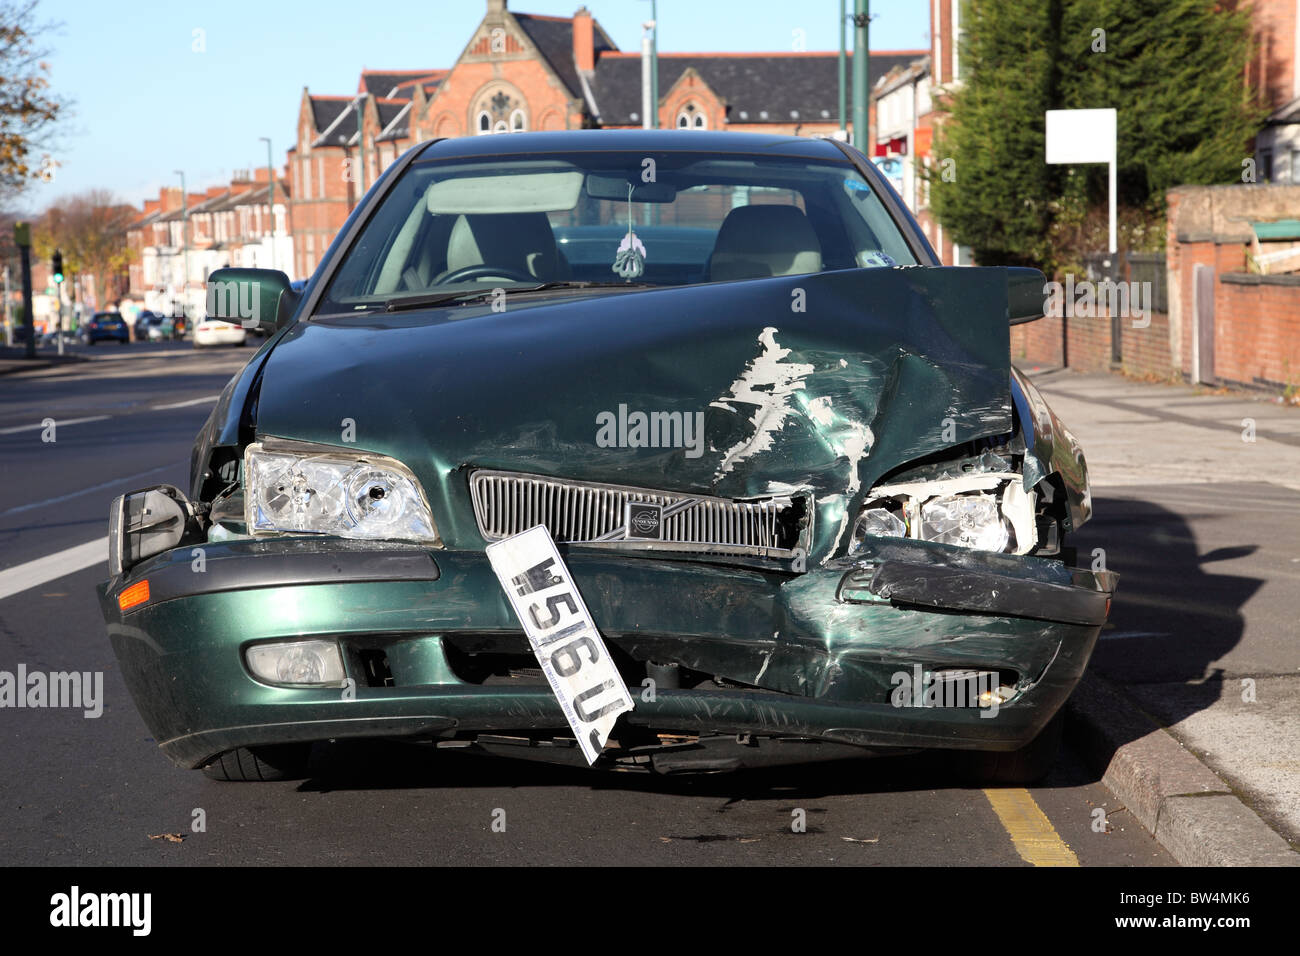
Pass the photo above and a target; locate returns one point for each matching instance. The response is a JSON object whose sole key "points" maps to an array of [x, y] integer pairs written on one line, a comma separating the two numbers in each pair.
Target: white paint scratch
{"points": [[767, 383]]}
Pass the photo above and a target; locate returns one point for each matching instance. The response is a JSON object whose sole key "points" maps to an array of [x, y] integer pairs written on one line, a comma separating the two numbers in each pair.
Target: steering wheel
{"points": [[484, 271]]}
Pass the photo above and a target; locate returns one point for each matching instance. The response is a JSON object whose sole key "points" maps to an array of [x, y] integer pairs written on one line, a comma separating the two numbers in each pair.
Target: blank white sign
{"points": [[1081, 136]]}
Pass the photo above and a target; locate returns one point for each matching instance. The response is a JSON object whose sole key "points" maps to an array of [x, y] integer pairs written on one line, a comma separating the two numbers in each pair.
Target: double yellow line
{"points": [[1035, 839]]}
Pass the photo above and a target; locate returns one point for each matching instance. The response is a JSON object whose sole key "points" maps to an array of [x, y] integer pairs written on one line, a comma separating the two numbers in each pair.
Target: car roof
{"points": [[647, 140]]}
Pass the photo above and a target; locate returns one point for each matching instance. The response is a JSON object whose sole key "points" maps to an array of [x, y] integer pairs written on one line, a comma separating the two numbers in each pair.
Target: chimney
{"points": [[496, 6], [584, 41]]}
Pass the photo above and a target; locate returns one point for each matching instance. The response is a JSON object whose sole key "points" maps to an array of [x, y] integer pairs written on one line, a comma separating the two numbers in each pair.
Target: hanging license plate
{"points": [[562, 634]]}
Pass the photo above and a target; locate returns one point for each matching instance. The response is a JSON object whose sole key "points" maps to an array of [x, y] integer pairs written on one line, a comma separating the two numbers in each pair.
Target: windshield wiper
{"points": [[471, 295]]}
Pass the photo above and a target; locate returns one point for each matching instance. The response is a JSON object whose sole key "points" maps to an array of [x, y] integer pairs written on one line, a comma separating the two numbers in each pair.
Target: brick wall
{"points": [[1041, 343], [1257, 330]]}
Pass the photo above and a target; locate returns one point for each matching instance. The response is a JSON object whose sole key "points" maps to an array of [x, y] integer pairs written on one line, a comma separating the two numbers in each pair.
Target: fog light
{"points": [[302, 663]]}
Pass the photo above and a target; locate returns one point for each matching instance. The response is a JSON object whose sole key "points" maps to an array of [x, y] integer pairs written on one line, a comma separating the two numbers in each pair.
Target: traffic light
{"points": [[57, 266]]}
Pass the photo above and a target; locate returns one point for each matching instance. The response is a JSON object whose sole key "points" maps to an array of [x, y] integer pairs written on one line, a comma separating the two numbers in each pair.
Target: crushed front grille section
{"points": [[579, 512]]}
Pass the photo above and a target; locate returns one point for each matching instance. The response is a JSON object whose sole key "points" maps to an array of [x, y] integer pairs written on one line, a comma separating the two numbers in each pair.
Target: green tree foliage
{"points": [[1174, 70]]}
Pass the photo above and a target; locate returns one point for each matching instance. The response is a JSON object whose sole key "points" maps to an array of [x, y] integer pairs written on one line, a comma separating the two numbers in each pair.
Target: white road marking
{"points": [[192, 401], [53, 566], [83, 491], [59, 423]]}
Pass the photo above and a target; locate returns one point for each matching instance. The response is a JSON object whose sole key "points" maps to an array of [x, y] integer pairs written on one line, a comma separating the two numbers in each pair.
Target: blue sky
{"points": [[148, 103]]}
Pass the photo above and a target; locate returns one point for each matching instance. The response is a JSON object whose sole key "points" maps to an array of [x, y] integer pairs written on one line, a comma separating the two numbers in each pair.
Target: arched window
{"points": [[500, 110], [691, 117]]}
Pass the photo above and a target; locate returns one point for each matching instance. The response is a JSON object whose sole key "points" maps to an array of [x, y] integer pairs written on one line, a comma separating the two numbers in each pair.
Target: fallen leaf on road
{"points": [[169, 837], [856, 840]]}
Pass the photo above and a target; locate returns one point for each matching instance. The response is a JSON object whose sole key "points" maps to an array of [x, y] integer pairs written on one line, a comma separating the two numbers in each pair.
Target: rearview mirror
{"points": [[614, 187], [254, 298], [1026, 295]]}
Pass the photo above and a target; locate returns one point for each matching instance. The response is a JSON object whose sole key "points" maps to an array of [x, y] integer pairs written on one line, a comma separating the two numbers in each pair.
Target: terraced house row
{"points": [[518, 71], [521, 71]]}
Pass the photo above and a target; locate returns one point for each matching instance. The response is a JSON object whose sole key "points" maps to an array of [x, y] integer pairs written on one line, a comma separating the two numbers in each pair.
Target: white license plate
{"points": [[562, 634]]}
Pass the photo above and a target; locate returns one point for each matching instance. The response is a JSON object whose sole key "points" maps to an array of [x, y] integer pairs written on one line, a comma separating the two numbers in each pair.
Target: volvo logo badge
{"points": [[645, 520]]}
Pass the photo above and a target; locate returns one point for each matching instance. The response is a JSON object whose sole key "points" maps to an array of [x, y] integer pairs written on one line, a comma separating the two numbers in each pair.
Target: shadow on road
{"points": [[399, 765], [1174, 614]]}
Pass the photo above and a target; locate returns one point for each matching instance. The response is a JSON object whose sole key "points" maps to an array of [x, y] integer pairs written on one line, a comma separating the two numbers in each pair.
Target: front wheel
{"points": [[261, 764]]}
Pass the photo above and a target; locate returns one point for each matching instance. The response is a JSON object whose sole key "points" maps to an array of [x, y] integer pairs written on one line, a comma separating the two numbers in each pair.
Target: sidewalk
{"points": [[13, 358], [1203, 525]]}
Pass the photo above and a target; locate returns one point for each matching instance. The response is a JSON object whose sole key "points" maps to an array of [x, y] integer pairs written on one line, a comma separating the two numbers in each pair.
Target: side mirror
{"points": [[254, 298], [1026, 295]]}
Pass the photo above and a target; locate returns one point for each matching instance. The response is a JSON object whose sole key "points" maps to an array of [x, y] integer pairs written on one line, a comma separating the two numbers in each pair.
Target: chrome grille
{"points": [[506, 503]]}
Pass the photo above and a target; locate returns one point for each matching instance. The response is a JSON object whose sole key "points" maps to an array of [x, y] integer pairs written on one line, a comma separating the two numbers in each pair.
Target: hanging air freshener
{"points": [[630, 260]]}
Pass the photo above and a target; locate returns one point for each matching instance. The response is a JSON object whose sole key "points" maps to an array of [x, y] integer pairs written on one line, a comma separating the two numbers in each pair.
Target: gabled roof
{"points": [[553, 37], [429, 82], [342, 129], [758, 87], [326, 109], [394, 119], [384, 84]]}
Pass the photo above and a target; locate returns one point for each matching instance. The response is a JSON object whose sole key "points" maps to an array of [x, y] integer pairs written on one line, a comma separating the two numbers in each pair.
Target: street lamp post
{"points": [[185, 241], [654, 63], [270, 193], [844, 22], [652, 27], [861, 76]]}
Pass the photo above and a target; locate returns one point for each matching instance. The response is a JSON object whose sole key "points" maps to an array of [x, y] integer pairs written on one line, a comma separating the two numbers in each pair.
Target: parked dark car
{"points": [[108, 326], [734, 472], [153, 327]]}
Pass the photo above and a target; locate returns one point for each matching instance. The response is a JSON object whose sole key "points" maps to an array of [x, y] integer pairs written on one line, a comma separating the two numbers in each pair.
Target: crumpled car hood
{"points": [[820, 383]]}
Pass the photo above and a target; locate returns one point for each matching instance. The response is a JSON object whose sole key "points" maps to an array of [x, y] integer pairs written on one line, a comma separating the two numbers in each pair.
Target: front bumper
{"points": [[815, 655]]}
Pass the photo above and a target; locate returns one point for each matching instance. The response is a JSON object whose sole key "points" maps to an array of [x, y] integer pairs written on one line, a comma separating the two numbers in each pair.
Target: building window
{"points": [[690, 117], [499, 112]]}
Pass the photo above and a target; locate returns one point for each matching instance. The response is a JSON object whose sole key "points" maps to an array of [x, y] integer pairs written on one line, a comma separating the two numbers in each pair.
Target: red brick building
{"points": [[522, 71]]}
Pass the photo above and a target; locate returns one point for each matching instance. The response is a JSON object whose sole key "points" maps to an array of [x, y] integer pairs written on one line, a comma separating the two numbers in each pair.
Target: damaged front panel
{"points": [[817, 384]]}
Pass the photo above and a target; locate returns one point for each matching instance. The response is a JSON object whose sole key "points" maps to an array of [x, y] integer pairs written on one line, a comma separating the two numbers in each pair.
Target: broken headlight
{"points": [[985, 512], [362, 496]]}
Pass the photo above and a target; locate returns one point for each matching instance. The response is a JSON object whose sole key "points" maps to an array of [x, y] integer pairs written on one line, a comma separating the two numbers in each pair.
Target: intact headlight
{"points": [[362, 496]]}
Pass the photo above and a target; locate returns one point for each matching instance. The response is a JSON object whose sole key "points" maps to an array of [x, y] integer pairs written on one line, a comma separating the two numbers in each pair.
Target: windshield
{"points": [[612, 219]]}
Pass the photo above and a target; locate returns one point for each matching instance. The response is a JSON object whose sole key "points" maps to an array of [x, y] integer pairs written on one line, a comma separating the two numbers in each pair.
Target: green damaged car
{"points": [[667, 450]]}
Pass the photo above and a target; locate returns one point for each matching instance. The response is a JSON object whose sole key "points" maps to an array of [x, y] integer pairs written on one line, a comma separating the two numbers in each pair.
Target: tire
{"points": [[1030, 764], [261, 764]]}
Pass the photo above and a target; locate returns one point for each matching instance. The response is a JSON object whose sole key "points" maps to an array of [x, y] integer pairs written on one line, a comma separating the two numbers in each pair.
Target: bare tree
{"points": [[28, 111]]}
